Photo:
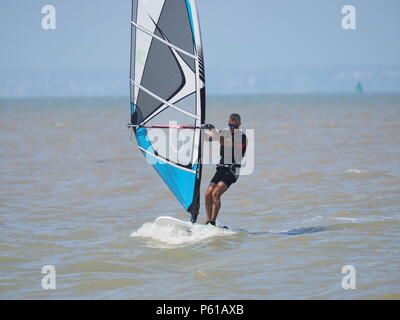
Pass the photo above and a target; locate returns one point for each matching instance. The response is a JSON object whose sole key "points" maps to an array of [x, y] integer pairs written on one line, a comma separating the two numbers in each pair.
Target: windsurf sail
{"points": [[168, 93], [359, 88]]}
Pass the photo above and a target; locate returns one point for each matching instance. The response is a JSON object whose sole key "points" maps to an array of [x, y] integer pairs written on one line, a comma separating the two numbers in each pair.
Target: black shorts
{"points": [[225, 175]]}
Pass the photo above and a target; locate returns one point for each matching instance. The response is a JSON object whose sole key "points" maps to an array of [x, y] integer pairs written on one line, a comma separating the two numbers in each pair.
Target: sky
{"points": [[255, 46]]}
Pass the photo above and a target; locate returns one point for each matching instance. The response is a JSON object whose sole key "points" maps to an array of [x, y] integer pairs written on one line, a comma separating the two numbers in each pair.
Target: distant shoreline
{"points": [[213, 96]]}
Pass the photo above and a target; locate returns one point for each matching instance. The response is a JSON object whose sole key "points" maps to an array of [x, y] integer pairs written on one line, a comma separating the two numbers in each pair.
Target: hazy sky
{"points": [[93, 36]]}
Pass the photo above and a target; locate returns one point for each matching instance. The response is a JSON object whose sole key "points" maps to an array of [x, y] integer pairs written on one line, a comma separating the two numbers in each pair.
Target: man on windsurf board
{"points": [[233, 143]]}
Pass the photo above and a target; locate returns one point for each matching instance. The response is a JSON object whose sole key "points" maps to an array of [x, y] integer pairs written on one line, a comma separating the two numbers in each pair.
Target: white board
{"points": [[174, 222]]}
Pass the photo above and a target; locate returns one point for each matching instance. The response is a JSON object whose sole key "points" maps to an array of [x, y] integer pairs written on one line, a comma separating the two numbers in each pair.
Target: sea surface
{"points": [[76, 194]]}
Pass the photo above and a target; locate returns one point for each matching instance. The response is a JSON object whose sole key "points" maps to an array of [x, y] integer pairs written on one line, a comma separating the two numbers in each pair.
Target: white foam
{"points": [[171, 235], [355, 171], [346, 219]]}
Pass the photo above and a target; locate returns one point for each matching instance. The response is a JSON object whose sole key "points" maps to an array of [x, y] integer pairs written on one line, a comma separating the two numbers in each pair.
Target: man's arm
{"points": [[244, 144], [210, 133]]}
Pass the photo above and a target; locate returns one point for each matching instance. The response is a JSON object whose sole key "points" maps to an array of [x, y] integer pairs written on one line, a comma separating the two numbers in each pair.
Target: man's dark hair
{"points": [[235, 117]]}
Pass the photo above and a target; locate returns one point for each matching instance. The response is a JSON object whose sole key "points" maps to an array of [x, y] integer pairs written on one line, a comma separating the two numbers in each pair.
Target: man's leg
{"points": [[217, 192], [209, 201]]}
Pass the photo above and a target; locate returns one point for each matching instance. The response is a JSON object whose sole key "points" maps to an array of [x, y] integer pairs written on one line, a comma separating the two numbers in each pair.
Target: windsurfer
{"points": [[233, 143]]}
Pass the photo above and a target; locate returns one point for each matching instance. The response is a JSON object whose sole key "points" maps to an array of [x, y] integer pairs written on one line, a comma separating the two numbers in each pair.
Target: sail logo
{"points": [[349, 20], [49, 20]]}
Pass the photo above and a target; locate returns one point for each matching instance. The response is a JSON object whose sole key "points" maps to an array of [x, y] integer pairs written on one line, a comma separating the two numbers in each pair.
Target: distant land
{"points": [[224, 81]]}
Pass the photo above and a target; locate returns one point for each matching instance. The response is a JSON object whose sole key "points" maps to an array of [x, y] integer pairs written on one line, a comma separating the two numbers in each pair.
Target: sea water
{"points": [[76, 194]]}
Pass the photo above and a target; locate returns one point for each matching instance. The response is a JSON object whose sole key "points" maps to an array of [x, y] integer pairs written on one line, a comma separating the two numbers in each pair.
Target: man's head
{"points": [[234, 121]]}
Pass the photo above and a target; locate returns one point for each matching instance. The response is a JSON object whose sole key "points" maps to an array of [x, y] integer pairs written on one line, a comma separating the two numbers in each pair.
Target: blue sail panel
{"points": [[180, 181]]}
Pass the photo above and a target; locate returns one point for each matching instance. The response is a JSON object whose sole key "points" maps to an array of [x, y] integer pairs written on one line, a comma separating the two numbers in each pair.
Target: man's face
{"points": [[233, 124]]}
